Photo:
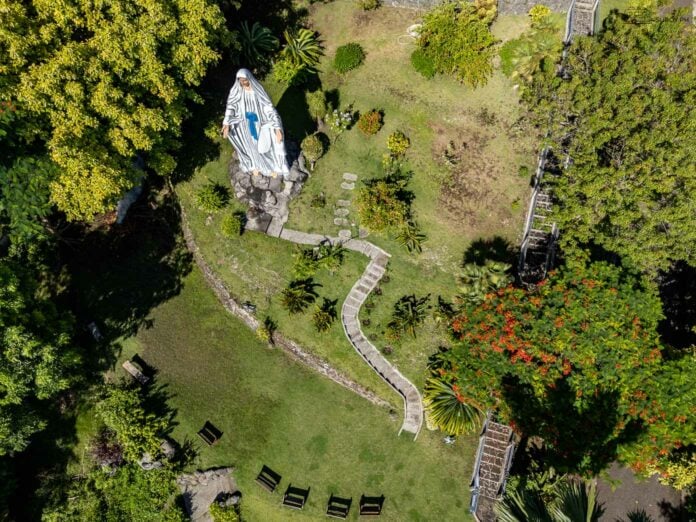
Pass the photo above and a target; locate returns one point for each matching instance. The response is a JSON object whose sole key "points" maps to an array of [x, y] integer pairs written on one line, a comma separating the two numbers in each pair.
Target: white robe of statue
{"points": [[254, 128]]}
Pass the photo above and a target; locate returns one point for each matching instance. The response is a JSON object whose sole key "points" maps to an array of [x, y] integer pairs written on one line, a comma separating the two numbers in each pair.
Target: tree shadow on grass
{"points": [[577, 440], [493, 249], [678, 295], [294, 112]]}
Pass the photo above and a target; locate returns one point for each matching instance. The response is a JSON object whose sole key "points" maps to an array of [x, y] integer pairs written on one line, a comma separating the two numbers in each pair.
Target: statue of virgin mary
{"points": [[254, 128]]}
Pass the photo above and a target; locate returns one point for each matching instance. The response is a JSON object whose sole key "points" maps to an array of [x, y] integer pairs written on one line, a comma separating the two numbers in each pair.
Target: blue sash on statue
{"points": [[252, 118]]}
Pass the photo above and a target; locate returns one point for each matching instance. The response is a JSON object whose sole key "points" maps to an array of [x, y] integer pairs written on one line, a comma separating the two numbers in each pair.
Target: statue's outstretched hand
{"points": [[225, 131], [279, 135]]}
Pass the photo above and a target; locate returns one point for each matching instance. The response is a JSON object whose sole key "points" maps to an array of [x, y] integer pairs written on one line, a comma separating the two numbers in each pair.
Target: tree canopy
{"points": [[576, 361], [626, 116], [104, 85], [36, 354]]}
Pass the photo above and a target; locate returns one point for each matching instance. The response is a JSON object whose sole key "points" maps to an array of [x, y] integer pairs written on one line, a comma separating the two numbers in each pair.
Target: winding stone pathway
{"points": [[413, 403]]}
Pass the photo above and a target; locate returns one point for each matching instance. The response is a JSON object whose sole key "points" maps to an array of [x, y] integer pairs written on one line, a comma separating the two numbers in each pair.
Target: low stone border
{"points": [[290, 347]]}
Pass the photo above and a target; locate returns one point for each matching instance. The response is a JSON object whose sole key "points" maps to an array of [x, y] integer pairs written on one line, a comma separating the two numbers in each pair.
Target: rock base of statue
{"points": [[268, 198]]}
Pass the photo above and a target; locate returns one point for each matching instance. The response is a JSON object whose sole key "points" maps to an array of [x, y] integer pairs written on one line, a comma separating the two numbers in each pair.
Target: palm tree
{"points": [[574, 501], [448, 409], [303, 49], [257, 42], [409, 313], [331, 256], [324, 315], [476, 281], [411, 237], [540, 45], [298, 295]]}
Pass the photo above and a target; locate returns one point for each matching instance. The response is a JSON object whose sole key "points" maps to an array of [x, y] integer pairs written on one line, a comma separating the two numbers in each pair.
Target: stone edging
{"points": [[291, 348]]}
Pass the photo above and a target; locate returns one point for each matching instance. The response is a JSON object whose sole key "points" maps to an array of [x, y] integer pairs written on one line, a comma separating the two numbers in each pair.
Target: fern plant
{"points": [[257, 42]]}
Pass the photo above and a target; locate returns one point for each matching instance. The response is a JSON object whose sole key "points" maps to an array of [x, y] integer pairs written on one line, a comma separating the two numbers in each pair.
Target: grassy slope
{"points": [[431, 113], [275, 412]]}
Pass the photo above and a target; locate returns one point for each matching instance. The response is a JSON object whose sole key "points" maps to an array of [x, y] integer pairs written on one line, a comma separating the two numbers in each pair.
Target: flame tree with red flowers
{"points": [[576, 361]]}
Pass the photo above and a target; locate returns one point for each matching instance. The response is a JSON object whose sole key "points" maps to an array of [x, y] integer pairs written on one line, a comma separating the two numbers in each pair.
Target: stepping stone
{"points": [[342, 212], [350, 177], [363, 233], [343, 203], [341, 222], [344, 234], [347, 186]]}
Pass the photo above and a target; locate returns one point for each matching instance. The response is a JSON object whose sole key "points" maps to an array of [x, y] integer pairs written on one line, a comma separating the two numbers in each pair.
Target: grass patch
{"points": [[275, 412]]}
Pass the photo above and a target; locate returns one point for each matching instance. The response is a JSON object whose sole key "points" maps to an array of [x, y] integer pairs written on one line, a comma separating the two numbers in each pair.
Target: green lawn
{"points": [[275, 412], [487, 197]]}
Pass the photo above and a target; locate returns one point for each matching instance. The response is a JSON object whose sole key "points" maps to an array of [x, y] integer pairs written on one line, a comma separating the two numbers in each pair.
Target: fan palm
{"points": [[298, 295], [324, 315], [529, 57], [573, 502], [476, 281], [331, 257], [303, 49], [448, 409], [257, 42]]}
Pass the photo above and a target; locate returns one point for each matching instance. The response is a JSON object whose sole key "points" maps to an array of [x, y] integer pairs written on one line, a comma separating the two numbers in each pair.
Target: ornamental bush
{"points": [[368, 5], [313, 149], [371, 122], [316, 104], [232, 225], [380, 206], [212, 197], [539, 14], [459, 42], [398, 143], [348, 57], [423, 63]]}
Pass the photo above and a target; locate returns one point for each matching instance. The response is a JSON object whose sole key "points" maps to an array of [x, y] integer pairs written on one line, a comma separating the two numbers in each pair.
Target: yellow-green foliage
{"points": [[679, 472], [398, 143], [539, 14], [223, 514], [106, 83], [380, 207]]}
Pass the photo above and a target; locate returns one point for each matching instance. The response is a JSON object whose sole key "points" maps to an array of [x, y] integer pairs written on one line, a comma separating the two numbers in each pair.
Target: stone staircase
{"points": [[413, 403], [493, 460]]}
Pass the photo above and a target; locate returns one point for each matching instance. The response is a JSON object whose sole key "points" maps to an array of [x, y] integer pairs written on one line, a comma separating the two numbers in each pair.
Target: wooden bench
{"points": [[295, 498], [210, 434], [371, 505], [135, 372], [268, 479], [338, 507]]}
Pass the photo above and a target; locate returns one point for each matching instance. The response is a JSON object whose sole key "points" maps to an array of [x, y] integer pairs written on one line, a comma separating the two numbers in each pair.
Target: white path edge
{"points": [[413, 402]]}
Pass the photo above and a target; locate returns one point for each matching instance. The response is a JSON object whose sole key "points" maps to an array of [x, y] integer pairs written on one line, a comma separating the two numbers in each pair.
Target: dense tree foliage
{"points": [[128, 493], [626, 115], [36, 353], [456, 37], [105, 84], [578, 362]]}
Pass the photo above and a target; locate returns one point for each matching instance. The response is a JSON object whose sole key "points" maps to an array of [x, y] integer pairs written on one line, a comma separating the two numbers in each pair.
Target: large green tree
{"points": [[106, 83], [579, 363], [626, 113], [36, 354]]}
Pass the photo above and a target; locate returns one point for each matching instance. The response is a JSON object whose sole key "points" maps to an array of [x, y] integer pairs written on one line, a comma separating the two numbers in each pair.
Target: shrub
{"points": [[331, 257], [487, 10], [459, 42], [223, 513], [324, 315], [290, 73], [316, 104], [212, 197], [398, 143], [313, 149], [539, 14], [380, 206], [348, 57], [298, 295], [339, 121], [232, 225], [409, 313], [411, 237], [507, 56], [423, 63], [318, 201], [368, 5], [265, 330], [370, 122], [306, 263]]}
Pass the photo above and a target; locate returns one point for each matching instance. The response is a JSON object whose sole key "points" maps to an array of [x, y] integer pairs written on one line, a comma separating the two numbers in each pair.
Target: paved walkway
{"points": [[413, 403]]}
